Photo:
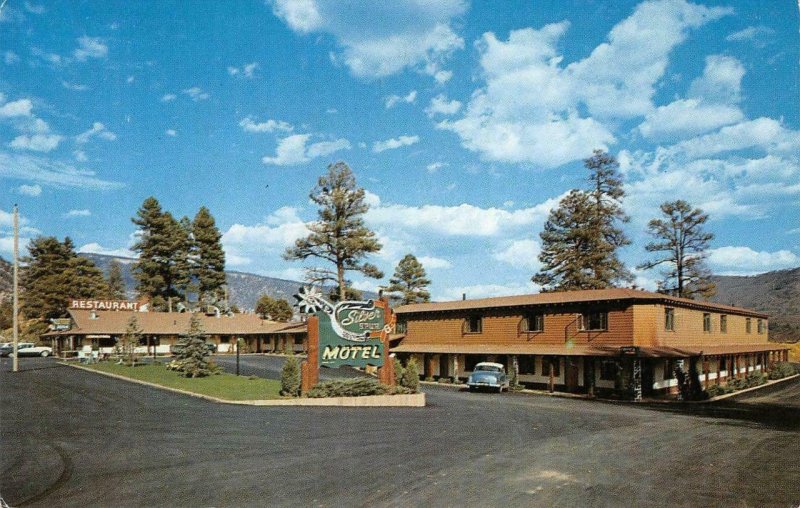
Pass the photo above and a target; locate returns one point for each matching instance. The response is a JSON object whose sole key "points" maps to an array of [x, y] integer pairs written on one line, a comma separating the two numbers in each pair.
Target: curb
{"points": [[407, 400], [751, 389]]}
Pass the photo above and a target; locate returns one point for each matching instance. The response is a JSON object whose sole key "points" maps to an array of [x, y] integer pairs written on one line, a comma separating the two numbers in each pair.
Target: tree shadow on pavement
{"points": [[730, 412]]}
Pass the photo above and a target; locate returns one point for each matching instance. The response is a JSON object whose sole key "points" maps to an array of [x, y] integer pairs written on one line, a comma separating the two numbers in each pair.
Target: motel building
{"points": [[612, 342], [99, 325]]}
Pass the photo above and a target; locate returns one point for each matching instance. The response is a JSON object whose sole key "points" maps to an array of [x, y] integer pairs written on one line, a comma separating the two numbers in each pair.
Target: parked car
{"points": [[488, 375], [26, 349], [177, 348]]}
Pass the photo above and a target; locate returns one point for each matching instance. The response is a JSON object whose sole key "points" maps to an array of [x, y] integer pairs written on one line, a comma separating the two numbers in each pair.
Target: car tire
{"points": [[45, 354]]}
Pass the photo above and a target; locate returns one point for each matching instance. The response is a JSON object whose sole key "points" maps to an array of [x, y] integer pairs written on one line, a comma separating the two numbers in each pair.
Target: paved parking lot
{"points": [[71, 438]]}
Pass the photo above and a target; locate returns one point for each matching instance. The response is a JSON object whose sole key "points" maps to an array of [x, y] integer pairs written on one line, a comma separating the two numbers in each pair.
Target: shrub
{"points": [[755, 379], [736, 383], [349, 388], [410, 378], [398, 372], [781, 370], [290, 377]]}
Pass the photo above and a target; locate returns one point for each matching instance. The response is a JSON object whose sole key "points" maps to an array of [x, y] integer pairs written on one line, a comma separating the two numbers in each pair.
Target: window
{"points": [[761, 327], [526, 364], [594, 321], [225, 339], [669, 369], [748, 325], [401, 327], [608, 370], [669, 319], [723, 323], [722, 364], [474, 324], [547, 362], [706, 322], [535, 323]]}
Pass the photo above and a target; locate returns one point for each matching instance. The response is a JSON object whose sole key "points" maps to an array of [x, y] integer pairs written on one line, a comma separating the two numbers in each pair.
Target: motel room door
{"points": [[571, 373]]}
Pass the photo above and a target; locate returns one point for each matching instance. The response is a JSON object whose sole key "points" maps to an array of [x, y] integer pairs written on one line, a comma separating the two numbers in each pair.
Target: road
{"points": [[72, 438]]}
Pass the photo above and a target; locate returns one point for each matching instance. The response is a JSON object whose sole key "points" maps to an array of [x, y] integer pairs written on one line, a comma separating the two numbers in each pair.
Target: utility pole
{"points": [[16, 289]]}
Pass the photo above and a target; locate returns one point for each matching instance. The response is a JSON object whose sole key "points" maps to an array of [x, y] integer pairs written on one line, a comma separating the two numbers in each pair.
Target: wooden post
{"points": [[591, 376], [310, 368], [705, 372], [718, 370], [552, 382]]}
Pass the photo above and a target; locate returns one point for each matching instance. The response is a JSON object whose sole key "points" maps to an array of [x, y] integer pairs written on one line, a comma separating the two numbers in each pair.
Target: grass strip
{"points": [[222, 386]]}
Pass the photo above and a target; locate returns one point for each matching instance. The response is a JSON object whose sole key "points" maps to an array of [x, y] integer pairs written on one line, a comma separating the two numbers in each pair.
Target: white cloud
{"points": [[168, 97], [279, 231], [10, 58], [90, 47], [393, 143], [196, 93], [52, 173], [434, 263], [440, 105], [392, 100], [442, 77], [755, 34], [72, 214], [34, 9], [248, 124], [435, 166], [21, 107], [246, 71], [688, 117], [473, 292], [98, 130], [96, 248], [171, 133], [30, 190], [520, 254], [130, 79], [80, 156], [36, 142], [380, 40], [530, 109], [746, 261], [77, 87], [721, 80], [762, 133], [292, 150]]}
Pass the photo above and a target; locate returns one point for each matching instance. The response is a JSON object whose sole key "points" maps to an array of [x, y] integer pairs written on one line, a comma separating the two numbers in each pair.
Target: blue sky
{"points": [[464, 121]]}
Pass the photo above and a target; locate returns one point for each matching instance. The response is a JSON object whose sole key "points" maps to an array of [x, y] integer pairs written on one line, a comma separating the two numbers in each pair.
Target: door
{"points": [[571, 373]]}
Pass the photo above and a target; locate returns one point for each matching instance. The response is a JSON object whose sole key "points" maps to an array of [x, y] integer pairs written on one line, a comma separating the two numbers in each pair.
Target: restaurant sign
{"points": [[351, 333], [103, 305]]}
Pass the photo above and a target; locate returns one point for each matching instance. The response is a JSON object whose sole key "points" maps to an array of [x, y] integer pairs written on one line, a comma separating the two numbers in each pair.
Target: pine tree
{"points": [[410, 280], [291, 377], [582, 235], [116, 284], [208, 260], [54, 273], [683, 242], [339, 236], [193, 357], [160, 271], [129, 341]]}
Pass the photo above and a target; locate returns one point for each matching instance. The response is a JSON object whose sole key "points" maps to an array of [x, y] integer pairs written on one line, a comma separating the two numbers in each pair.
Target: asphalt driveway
{"points": [[72, 438]]}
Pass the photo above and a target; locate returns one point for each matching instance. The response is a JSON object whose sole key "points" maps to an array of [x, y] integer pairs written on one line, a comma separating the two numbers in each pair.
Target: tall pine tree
{"points": [[681, 242], [411, 280], [53, 275], [115, 281], [339, 236], [208, 258]]}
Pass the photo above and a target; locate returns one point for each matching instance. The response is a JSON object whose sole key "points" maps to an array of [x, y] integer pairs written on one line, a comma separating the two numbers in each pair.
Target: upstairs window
{"points": [[761, 327], [401, 327], [535, 323], [723, 323], [706, 322], [748, 325], [474, 324], [593, 321], [669, 319]]}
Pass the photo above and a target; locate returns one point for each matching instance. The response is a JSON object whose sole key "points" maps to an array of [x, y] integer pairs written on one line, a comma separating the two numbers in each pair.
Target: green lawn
{"points": [[222, 386]]}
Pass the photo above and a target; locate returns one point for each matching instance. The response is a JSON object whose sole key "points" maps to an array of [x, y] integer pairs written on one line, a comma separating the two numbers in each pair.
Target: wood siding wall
{"points": [[504, 327]]}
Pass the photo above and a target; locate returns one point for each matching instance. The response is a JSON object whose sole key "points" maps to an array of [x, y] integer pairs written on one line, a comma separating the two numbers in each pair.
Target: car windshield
{"points": [[488, 368]]}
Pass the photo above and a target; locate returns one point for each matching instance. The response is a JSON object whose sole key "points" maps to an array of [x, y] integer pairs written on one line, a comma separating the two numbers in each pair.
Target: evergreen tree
{"points": [[54, 273], [291, 377], [193, 357], [129, 341], [160, 271], [339, 236], [208, 260], [680, 237], [581, 236], [116, 284], [274, 309], [183, 257], [410, 280], [410, 378]]}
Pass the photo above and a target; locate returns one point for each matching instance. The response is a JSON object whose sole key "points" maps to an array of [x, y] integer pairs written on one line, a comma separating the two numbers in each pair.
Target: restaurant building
{"points": [[619, 342], [101, 329]]}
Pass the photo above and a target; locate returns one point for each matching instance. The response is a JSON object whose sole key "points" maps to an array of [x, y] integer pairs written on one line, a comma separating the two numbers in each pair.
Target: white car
{"points": [[31, 349]]}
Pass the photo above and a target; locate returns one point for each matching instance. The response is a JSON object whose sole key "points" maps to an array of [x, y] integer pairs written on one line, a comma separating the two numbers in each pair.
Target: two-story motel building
{"points": [[609, 341]]}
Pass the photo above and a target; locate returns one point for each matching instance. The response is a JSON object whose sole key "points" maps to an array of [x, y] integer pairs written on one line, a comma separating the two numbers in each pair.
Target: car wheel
{"points": [[45, 354]]}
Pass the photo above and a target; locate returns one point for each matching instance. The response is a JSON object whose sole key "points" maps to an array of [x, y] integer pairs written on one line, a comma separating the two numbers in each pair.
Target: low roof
{"points": [[174, 323], [572, 297], [585, 350]]}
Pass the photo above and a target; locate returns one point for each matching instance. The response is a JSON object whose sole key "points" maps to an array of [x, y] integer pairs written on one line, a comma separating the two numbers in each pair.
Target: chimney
{"points": [[463, 296]]}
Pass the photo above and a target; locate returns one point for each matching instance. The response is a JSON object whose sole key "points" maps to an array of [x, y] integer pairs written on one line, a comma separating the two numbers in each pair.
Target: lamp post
{"points": [[238, 346], [16, 290]]}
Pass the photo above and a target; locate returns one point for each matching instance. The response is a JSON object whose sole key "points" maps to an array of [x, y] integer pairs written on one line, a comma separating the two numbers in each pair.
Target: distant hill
{"points": [[774, 293], [244, 289], [6, 279]]}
